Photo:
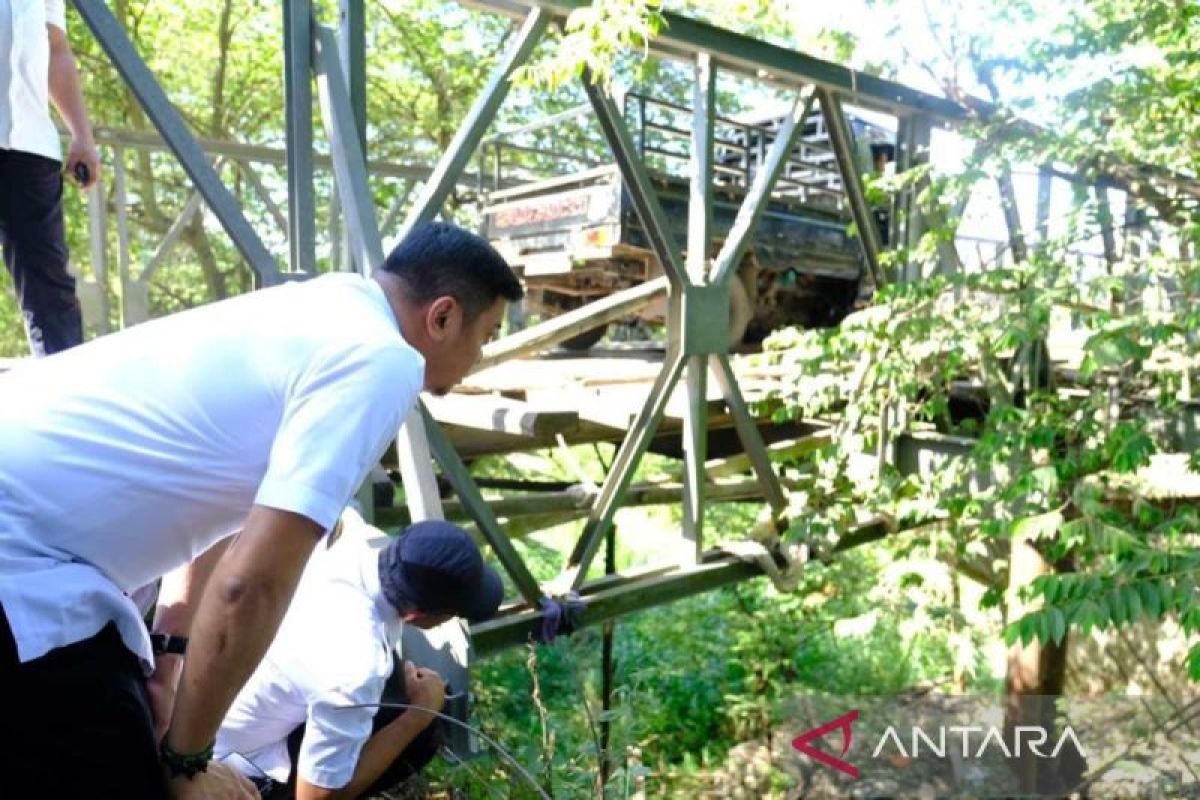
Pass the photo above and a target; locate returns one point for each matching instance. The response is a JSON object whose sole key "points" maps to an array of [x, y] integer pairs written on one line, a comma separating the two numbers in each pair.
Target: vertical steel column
{"points": [[1012, 216], [99, 253], [1045, 196], [914, 134], [352, 35], [458, 153], [350, 171], [700, 202], [843, 148], [297, 86], [695, 417], [166, 118], [121, 202], [607, 667]]}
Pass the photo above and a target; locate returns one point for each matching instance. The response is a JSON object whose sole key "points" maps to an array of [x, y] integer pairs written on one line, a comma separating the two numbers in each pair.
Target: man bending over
{"points": [[308, 719], [126, 457]]}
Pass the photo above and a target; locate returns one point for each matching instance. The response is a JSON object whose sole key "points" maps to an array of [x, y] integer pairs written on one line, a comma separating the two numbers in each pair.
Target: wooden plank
{"points": [[501, 414], [722, 467], [579, 499]]}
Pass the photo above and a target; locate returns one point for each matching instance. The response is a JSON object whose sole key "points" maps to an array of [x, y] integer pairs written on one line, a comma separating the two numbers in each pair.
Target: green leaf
{"points": [[1194, 662], [1058, 625], [1039, 526]]}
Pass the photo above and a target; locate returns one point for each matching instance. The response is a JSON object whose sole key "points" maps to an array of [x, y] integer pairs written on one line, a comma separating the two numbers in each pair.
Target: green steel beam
{"points": [[748, 432], [843, 148], [349, 164], [616, 601], [704, 101], [755, 202], [450, 166], [637, 182], [478, 509], [614, 596], [695, 416], [298, 112], [352, 36], [683, 37], [621, 473]]}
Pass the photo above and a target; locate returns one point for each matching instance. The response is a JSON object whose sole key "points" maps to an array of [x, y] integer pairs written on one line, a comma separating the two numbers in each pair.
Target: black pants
{"points": [[35, 250], [420, 751], [76, 723]]}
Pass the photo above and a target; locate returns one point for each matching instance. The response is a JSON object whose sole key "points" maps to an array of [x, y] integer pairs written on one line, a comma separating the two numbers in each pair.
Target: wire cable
{"points": [[490, 741]]}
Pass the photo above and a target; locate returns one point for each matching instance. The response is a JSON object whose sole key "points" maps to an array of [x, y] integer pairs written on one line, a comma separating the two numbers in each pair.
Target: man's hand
{"points": [[83, 152], [220, 782], [424, 688], [161, 689]]}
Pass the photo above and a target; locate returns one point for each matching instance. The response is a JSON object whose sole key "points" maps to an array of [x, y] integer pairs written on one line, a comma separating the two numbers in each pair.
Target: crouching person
{"points": [[307, 724]]}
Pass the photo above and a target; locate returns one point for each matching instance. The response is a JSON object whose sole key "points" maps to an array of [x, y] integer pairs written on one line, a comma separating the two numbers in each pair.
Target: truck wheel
{"points": [[741, 311], [583, 341]]}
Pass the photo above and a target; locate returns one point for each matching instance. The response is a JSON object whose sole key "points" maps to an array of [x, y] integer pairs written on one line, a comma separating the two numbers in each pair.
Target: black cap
{"points": [[435, 567]]}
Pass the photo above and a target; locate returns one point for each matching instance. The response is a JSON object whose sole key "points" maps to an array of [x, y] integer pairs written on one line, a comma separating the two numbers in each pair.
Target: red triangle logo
{"points": [[842, 723]]}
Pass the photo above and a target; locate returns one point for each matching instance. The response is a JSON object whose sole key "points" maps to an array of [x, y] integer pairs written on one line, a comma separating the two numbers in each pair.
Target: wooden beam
{"points": [[578, 499], [491, 412], [564, 326]]}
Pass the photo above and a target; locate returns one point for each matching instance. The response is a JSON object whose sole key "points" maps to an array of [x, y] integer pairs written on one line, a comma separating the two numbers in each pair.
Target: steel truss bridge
{"points": [[325, 65]]}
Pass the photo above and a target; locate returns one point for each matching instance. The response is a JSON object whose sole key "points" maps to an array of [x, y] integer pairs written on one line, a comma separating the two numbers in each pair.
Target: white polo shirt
{"points": [[25, 122], [127, 456], [333, 649]]}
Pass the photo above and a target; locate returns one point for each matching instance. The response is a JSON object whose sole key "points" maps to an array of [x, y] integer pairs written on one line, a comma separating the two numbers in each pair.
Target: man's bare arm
{"points": [[241, 608], [67, 97], [426, 691], [177, 601]]}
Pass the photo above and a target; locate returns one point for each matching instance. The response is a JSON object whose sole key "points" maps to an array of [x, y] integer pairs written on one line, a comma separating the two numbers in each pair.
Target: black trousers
{"points": [[76, 723], [35, 250]]}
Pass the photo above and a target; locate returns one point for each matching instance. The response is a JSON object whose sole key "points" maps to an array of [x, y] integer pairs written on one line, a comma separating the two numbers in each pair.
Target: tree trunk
{"points": [[1033, 684]]}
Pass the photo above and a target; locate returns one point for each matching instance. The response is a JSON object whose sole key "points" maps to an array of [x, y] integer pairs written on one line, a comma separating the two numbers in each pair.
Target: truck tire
{"points": [[741, 311], [582, 341]]}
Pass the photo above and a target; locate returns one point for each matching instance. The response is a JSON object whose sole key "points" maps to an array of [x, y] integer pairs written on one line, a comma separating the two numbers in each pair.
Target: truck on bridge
{"points": [[555, 205]]}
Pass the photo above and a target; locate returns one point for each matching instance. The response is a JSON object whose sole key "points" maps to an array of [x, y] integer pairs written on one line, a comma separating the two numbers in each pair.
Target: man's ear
{"points": [[440, 318], [412, 616]]}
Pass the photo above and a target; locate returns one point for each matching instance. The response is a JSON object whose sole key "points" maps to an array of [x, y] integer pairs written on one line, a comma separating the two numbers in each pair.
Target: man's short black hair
{"points": [[437, 259]]}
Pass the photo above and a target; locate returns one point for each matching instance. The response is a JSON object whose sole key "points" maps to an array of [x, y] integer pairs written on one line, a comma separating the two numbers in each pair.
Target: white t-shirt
{"points": [[126, 457], [333, 649], [25, 122]]}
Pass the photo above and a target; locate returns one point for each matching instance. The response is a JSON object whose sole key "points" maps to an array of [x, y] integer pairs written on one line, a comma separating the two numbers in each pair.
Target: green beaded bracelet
{"points": [[185, 764]]}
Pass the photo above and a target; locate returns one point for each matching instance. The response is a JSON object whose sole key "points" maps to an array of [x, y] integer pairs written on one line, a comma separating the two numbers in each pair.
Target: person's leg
{"points": [[35, 251], [77, 723]]}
